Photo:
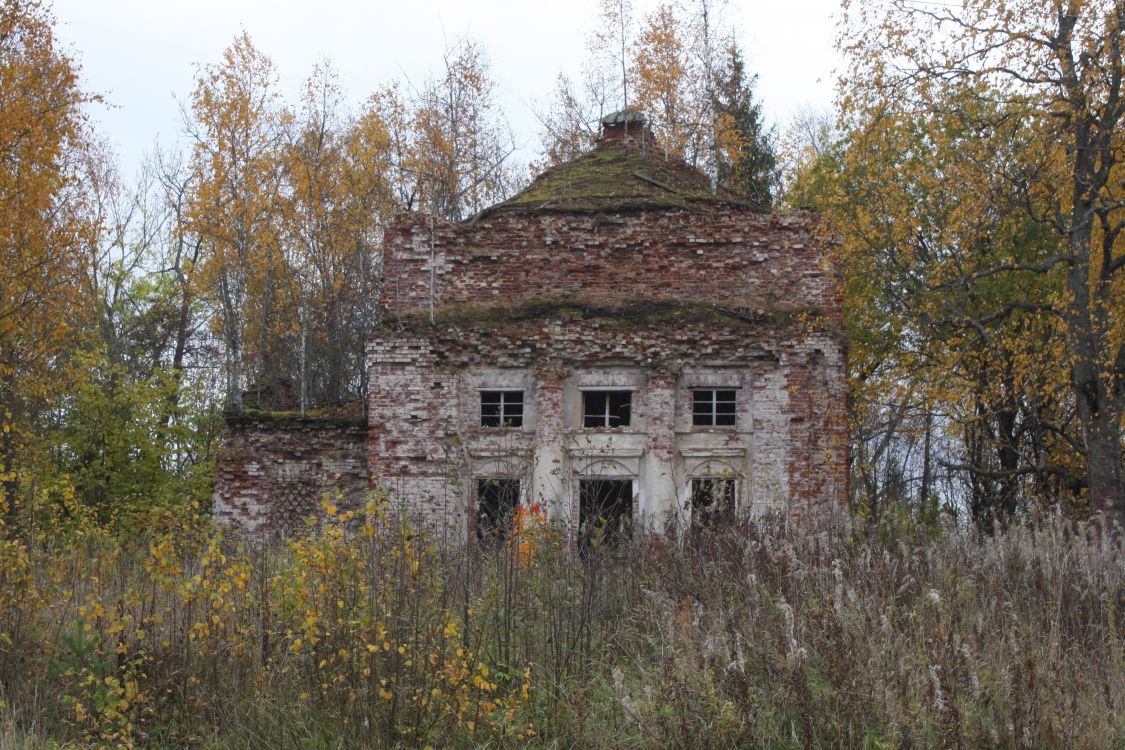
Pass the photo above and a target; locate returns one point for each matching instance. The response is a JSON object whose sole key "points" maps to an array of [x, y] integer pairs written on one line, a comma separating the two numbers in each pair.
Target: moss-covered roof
{"points": [[629, 313], [335, 416], [613, 177]]}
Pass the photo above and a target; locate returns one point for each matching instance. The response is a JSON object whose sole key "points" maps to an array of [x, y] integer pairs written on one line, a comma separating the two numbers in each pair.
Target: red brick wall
{"points": [[748, 260], [272, 473]]}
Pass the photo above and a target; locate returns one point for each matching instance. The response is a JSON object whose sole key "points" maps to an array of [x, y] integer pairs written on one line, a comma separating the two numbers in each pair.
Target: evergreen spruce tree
{"points": [[747, 152]]}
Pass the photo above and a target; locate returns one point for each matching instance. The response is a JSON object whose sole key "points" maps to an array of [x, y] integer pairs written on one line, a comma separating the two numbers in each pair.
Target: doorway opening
{"points": [[605, 511], [497, 498]]}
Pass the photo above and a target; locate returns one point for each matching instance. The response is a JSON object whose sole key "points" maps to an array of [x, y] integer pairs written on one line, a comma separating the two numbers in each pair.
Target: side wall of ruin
{"points": [[272, 472]]}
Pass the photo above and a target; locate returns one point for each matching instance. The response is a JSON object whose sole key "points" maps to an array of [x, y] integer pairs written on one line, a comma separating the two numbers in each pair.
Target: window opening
{"points": [[602, 409], [501, 408], [605, 511], [497, 499], [713, 408], [712, 501]]}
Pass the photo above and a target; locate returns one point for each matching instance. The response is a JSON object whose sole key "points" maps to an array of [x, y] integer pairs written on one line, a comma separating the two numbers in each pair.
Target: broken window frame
{"points": [[609, 414], [494, 521], [509, 408], [707, 515], [715, 411]]}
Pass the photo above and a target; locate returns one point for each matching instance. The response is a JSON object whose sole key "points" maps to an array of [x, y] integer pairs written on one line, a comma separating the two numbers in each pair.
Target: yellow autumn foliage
{"points": [[355, 617]]}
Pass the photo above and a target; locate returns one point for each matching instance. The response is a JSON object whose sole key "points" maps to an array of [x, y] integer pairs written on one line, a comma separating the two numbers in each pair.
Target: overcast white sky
{"points": [[141, 54]]}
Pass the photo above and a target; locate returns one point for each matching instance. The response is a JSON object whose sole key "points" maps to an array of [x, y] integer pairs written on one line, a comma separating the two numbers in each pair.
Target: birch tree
{"points": [[571, 119], [236, 122], [683, 69], [338, 198], [461, 143]]}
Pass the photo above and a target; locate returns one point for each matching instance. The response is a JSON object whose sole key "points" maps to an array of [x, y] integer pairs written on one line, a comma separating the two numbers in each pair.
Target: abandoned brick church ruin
{"points": [[616, 343]]}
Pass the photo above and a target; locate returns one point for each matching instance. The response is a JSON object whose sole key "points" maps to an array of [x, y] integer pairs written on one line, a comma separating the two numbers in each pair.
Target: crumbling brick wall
{"points": [[272, 471], [661, 292], [742, 259], [794, 407]]}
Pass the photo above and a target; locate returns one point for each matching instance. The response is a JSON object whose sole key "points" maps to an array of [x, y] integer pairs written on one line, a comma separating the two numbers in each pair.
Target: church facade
{"points": [[615, 343]]}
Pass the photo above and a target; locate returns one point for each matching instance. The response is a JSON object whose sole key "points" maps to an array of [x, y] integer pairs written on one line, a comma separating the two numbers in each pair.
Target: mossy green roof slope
{"points": [[611, 177]]}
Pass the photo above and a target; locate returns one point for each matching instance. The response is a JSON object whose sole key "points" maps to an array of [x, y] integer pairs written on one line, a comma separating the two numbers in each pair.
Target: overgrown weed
{"points": [[362, 633]]}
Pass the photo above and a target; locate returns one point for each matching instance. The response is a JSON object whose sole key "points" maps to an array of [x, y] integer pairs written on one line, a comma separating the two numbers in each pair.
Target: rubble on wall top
{"points": [[341, 416], [624, 117]]}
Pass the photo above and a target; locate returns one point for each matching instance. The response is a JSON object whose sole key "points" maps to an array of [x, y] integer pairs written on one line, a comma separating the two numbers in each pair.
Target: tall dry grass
{"points": [[363, 634]]}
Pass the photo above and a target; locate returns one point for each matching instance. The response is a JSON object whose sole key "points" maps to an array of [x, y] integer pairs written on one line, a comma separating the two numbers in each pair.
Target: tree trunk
{"points": [[927, 469], [304, 320], [261, 360], [184, 317], [1101, 431], [1099, 409], [8, 472], [233, 288], [1098, 390], [234, 371]]}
